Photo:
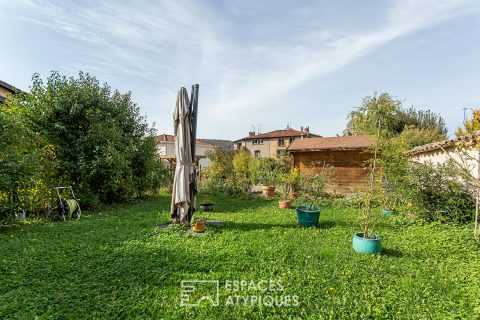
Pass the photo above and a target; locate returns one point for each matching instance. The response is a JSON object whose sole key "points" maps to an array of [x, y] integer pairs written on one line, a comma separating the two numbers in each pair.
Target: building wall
{"points": [[167, 150], [470, 157], [5, 93], [348, 168]]}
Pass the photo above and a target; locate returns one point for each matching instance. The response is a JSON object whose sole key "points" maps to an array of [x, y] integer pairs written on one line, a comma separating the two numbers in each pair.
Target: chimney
{"points": [[307, 129], [251, 133]]}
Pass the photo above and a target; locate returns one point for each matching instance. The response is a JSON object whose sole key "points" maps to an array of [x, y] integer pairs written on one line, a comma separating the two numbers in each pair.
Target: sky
{"points": [[261, 65]]}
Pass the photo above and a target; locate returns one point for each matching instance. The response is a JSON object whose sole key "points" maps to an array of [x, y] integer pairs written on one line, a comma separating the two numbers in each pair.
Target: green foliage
{"points": [[440, 193], [19, 160], [243, 168], [400, 130], [219, 176], [97, 138], [267, 171], [288, 180], [74, 131], [313, 186], [118, 265], [393, 118]]}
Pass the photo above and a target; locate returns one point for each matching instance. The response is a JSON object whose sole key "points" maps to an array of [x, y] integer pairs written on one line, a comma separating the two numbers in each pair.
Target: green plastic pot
{"points": [[308, 216]]}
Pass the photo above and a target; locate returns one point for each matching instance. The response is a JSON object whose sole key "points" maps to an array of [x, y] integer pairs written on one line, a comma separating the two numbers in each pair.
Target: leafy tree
{"points": [[393, 118]]}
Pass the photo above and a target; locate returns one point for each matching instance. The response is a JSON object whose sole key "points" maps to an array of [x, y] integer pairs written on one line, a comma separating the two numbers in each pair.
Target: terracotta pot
{"points": [[198, 226], [294, 195], [285, 204], [268, 191]]}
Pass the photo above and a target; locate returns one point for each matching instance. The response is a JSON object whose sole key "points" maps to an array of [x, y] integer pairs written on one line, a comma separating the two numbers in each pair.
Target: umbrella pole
{"points": [[193, 113]]}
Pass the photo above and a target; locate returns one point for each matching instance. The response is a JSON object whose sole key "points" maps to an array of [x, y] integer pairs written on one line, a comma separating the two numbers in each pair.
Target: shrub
{"points": [[440, 193], [219, 176], [74, 131], [267, 170], [19, 160], [243, 168]]}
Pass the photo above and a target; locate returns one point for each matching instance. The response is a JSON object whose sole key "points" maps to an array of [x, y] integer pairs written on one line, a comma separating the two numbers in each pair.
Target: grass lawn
{"points": [[119, 264]]}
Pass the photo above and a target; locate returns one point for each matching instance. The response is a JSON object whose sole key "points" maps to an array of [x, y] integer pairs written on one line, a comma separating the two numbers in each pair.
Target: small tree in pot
{"points": [[365, 242], [286, 181], [313, 189], [266, 173]]}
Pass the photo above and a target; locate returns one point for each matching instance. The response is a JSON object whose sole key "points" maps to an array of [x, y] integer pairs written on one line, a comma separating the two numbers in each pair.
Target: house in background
{"points": [[271, 144], [344, 158], [443, 151], [7, 91], [166, 150]]}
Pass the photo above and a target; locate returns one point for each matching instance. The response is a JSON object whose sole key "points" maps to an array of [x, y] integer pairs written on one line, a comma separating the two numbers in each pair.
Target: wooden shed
{"points": [[345, 158]]}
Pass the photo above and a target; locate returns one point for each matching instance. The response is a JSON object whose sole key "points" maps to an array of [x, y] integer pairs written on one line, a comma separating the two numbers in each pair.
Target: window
{"points": [[162, 150], [291, 140], [257, 141], [257, 154], [280, 153], [239, 146], [281, 142]]}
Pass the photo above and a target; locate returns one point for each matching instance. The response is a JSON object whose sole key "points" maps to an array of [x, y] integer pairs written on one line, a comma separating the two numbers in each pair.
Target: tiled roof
{"points": [[443, 144], [279, 134], [331, 143], [171, 138]]}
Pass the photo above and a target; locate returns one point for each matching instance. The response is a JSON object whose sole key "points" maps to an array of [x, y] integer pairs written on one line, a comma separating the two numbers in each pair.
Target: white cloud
{"points": [[158, 46]]}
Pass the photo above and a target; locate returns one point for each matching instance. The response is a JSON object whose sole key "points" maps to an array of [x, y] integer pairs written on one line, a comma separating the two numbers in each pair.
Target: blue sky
{"points": [[266, 64]]}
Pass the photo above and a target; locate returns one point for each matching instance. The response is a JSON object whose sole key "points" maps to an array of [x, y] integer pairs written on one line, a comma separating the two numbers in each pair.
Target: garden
{"points": [[117, 263], [267, 241]]}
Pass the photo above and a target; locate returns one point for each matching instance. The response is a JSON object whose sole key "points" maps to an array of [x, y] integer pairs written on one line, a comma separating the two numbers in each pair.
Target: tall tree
{"points": [[393, 119]]}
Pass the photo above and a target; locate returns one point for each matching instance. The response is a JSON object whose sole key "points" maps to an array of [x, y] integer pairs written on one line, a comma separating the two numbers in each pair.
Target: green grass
{"points": [[118, 264]]}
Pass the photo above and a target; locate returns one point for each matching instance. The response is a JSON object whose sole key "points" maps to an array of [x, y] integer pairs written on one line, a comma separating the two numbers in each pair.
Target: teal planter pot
{"points": [[387, 213], [308, 216], [367, 246]]}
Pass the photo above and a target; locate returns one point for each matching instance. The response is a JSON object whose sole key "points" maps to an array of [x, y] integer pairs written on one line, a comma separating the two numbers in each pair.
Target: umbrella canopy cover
{"points": [[184, 161]]}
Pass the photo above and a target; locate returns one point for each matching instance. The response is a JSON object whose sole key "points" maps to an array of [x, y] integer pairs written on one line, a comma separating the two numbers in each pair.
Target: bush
{"points": [[74, 131], [219, 176], [19, 160], [440, 193]]}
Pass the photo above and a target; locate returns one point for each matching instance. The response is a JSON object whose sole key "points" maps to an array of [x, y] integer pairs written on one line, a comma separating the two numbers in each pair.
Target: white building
{"points": [[442, 151], [166, 149]]}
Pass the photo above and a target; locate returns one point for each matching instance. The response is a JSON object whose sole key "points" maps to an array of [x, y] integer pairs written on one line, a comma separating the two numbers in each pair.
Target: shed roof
{"points": [[331, 143]]}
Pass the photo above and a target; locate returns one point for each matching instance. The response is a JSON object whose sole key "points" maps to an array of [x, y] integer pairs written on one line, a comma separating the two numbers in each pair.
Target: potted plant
{"points": [[286, 181], [198, 225], [313, 188], [364, 241], [267, 171]]}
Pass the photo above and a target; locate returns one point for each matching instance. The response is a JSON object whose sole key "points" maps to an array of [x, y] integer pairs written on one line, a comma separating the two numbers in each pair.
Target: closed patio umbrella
{"points": [[184, 183]]}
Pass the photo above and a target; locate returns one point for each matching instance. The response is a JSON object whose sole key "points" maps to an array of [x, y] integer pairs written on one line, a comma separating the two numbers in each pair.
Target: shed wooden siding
{"points": [[349, 170]]}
